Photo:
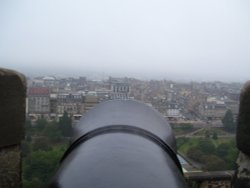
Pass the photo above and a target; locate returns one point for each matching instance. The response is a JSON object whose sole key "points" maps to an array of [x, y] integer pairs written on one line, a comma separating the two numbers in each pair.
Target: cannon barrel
{"points": [[121, 143]]}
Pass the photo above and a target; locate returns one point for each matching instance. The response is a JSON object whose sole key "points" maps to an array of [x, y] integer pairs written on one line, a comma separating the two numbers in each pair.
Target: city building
{"points": [[38, 100], [70, 103], [90, 100], [119, 89], [173, 110]]}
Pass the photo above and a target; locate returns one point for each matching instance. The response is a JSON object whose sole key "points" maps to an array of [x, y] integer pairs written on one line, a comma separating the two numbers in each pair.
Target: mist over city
{"points": [[180, 40]]}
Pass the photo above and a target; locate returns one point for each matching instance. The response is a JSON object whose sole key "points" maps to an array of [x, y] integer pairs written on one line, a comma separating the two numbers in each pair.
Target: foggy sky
{"points": [[190, 40]]}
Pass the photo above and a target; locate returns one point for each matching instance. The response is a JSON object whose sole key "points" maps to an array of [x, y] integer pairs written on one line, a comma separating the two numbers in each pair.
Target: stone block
{"points": [[12, 107], [10, 167], [243, 124]]}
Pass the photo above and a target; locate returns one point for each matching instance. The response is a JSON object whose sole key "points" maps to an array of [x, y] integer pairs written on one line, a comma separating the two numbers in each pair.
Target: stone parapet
{"points": [[243, 139], [12, 118], [212, 179]]}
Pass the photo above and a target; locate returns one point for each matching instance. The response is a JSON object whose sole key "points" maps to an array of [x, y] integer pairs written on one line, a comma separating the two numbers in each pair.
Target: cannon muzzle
{"points": [[121, 144]]}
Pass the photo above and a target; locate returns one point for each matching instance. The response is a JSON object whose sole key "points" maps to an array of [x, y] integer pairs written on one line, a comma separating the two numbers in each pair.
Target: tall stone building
{"points": [[119, 89], [38, 100], [70, 103], [90, 100]]}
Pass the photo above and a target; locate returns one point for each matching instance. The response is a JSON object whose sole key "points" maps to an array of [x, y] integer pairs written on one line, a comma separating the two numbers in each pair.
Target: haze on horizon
{"points": [[184, 40]]}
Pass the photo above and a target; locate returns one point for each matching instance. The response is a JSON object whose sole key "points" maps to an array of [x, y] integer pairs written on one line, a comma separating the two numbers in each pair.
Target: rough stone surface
{"points": [[12, 107], [243, 139], [243, 127], [215, 184], [12, 117], [242, 171], [10, 167], [243, 163]]}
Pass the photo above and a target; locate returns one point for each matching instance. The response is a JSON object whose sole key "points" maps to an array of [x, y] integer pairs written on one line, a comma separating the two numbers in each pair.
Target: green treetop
{"points": [[228, 121]]}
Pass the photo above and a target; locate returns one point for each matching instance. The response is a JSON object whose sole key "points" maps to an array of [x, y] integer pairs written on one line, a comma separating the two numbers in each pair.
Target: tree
{"points": [[65, 125], [41, 123], [215, 136], [25, 147], [206, 146], [195, 153], [180, 141], [228, 152], [41, 144], [53, 132], [42, 164], [35, 182], [228, 121], [214, 163], [223, 149], [207, 134], [28, 137], [28, 125]]}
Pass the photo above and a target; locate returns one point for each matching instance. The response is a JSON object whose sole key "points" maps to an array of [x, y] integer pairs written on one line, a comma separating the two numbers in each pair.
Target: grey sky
{"points": [[191, 40]]}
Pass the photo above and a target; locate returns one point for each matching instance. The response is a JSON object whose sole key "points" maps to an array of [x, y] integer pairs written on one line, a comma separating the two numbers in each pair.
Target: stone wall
{"points": [[222, 179], [243, 139], [12, 118]]}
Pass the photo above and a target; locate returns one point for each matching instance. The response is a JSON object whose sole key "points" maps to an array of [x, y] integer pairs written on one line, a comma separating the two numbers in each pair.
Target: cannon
{"points": [[121, 144]]}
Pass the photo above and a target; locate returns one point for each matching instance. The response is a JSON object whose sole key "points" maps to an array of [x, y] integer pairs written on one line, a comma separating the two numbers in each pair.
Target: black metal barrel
{"points": [[121, 144]]}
